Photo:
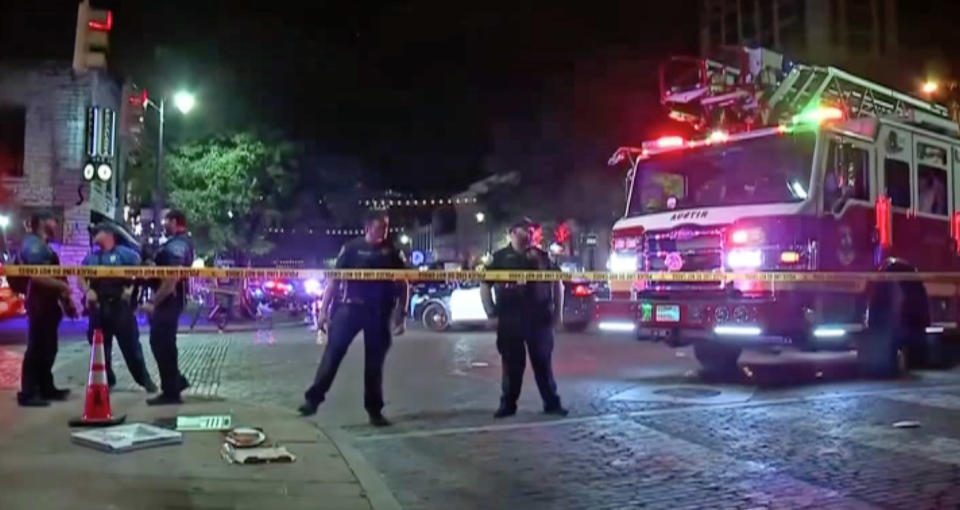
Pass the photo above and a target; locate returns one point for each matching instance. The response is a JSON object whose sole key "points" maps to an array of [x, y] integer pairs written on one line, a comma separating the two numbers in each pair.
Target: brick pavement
{"points": [[831, 453], [825, 443]]}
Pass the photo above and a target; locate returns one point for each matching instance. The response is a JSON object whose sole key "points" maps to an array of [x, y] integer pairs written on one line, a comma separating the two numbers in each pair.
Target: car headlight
{"points": [[622, 263], [311, 286]]}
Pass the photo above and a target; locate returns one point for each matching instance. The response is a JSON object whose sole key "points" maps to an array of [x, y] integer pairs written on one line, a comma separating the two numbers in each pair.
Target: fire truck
{"points": [[796, 168]]}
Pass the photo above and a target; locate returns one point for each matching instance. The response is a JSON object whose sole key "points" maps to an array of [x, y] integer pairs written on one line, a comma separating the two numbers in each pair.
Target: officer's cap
{"points": [[103, 227], [525, 223]]}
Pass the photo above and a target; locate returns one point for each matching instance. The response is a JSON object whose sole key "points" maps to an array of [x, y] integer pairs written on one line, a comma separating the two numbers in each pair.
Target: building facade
{"points": [[44, 135], [853, 34]]}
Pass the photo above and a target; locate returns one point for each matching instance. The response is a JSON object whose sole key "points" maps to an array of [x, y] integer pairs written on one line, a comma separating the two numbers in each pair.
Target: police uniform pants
{"points": [[37, 374], [347, 321], [116, 318], [517, 337], [163, 343]]}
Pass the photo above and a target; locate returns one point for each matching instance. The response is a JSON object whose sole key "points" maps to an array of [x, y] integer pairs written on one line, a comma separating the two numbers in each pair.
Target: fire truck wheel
{"points": [[880, 349], [927, 351], [717, 358]]}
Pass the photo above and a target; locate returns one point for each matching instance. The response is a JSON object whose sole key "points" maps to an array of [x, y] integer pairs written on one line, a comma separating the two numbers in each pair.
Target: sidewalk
{"points": [[41, 468]]}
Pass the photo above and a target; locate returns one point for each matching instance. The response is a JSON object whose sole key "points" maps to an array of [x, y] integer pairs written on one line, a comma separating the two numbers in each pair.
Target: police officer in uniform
{"points": [[374, 307], [111, 306], [169, 298], [47, 300], [526, 314]]}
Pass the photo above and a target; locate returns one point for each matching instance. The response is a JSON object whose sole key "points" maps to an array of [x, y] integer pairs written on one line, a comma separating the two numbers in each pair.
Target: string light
{"points": [[384, 202]]}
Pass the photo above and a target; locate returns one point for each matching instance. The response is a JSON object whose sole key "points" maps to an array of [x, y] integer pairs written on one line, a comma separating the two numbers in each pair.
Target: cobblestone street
{"points": [[645, 429]]}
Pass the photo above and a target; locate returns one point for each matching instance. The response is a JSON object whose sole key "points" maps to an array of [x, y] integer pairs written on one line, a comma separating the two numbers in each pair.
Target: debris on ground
{"points": [[204, 423], [906, 424], [246, 437], [125, 438], [261, 455]]}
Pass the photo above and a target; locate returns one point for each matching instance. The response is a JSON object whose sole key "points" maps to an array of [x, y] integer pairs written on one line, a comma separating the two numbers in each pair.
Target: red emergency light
{"points": [[581, 290], [883, 222], [955, 230], [668, 142]]}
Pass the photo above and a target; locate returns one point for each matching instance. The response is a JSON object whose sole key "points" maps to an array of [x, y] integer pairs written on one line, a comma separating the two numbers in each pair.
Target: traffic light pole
{"points": [[158, 183]]}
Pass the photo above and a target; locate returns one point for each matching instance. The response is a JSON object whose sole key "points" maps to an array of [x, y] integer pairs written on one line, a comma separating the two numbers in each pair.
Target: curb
{"points": [[378, 494]]}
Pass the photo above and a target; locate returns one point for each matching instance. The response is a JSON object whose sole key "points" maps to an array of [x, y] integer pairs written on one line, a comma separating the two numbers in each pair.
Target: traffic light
{"points": [[562, 233], [132, 106], [93, 29]]}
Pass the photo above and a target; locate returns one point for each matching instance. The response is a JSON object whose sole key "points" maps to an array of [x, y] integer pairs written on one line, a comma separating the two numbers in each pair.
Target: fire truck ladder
{"points": [[805, 86]]}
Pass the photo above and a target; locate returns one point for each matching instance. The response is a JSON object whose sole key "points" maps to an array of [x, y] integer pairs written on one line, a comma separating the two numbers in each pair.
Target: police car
{"points": [[440, 306]]}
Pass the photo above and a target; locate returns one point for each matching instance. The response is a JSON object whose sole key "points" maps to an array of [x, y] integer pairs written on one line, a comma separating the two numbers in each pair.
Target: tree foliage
{"points": [[234, 188]]}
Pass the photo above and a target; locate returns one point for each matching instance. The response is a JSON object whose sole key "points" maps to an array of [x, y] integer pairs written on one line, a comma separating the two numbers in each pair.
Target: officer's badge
{"points": [[113, 258]]}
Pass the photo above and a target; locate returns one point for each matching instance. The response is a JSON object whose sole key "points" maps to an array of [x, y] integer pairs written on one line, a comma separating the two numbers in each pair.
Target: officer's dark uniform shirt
{"points": [[35, 252], [177, 251], [532, 299], [358, 254], [107, 288]]}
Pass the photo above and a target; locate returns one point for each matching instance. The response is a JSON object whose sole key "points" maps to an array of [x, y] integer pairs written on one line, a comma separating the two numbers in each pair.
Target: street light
{"points": [[404, 239], [930, 87], [183, 101], [480, 219]]}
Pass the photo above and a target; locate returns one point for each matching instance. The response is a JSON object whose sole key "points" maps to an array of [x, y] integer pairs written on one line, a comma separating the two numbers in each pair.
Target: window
{"points": [[767, 170], [847, 175], [12, 127], [932, 185], [896, 175]]}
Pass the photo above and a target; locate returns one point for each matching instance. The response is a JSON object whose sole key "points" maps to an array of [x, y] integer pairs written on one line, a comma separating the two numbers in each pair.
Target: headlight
{"points": [[752, 236], [312, 286], [745, 259], [622, 263]]}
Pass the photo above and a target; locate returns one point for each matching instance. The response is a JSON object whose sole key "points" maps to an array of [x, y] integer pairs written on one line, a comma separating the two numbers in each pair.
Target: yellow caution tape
{"points": [[496, 276]]}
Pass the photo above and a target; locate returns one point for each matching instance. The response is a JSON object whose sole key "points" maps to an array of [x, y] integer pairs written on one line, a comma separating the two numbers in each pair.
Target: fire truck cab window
{"points": [[932, 184], [766, 170], [896, 176], [846, 176]]}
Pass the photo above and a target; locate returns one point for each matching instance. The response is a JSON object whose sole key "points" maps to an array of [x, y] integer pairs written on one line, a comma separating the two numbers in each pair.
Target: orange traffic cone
{"points": [[96, 408]]}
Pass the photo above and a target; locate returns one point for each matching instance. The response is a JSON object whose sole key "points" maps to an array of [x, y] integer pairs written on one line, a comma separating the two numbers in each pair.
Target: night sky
{"points": [[428, 95]]}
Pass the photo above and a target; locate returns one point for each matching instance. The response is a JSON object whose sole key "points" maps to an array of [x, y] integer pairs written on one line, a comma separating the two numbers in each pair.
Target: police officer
{"points": [[371, 306], [526, 315], [47, 300], [111, 307], [164, 308]]}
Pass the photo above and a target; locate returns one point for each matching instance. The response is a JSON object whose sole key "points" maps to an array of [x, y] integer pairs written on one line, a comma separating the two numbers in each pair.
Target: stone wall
{"points": [[56, 102]]}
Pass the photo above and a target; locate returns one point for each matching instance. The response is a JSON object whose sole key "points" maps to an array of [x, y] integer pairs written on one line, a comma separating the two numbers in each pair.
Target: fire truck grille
{"points": [[684, 250]]}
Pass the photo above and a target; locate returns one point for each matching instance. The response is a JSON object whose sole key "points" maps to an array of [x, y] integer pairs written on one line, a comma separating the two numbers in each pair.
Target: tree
{"points": [[234, 189]]}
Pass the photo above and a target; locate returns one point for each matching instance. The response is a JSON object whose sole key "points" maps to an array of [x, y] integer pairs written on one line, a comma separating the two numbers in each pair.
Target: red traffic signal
{"points": [[562, 233], [92, 41], [100, 20]]}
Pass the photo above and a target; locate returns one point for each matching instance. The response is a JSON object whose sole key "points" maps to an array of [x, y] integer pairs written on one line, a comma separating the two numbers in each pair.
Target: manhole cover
{"points": [[688, 392]]}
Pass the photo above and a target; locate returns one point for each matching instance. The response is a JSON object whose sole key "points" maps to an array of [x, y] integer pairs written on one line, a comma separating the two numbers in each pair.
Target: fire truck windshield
{"points": [[771, 169]]}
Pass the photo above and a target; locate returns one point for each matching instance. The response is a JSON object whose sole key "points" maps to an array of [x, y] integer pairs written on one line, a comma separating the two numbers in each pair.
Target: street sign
{"points": [[102, 199], [416, 258], [200, 423]]}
